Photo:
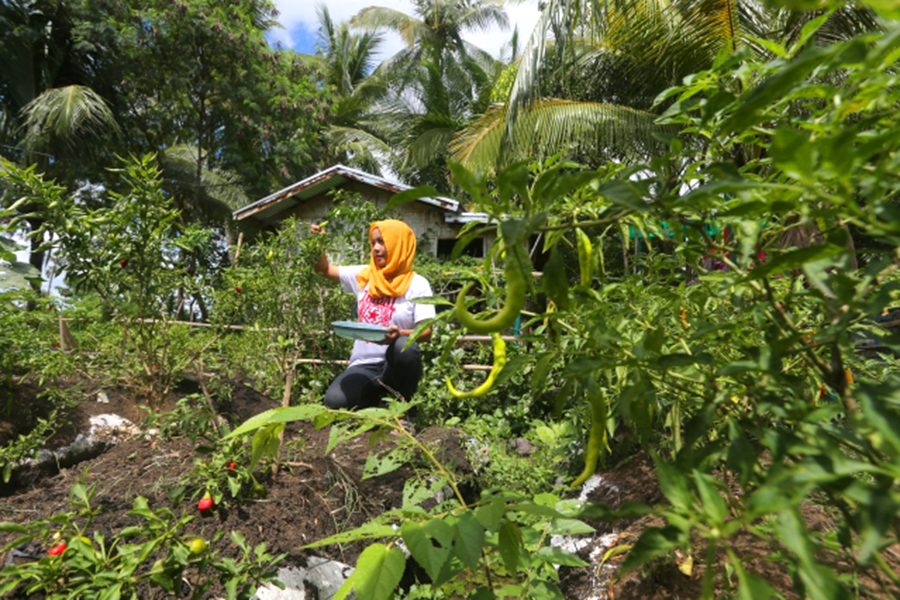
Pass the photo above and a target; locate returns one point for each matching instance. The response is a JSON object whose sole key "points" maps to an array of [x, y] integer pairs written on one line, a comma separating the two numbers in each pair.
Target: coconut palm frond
{"points": [[430, 141], [546, 127], [360, 148], [483, 17], [376, 17], [528, 82], [344, 137], [220, 192], [66, 116]]}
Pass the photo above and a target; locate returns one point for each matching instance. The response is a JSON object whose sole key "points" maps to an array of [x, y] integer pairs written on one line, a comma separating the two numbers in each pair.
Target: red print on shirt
{"points": [[376, 311]]}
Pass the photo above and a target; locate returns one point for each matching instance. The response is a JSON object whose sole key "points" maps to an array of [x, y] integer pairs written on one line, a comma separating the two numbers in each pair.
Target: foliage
{"points": [[590, 73], [431, 87], [127, 255], [286, 305], [740, 344], [98, 566], [461, 546], [734, 361]]}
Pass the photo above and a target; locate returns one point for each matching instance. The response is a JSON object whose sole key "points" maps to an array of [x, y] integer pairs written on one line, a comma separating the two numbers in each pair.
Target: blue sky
{"points": [[301, 37], [299, 23]]}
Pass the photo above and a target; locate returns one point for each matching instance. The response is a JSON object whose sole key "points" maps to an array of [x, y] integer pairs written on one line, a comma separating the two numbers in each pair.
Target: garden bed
{"points": [[321, 493]]}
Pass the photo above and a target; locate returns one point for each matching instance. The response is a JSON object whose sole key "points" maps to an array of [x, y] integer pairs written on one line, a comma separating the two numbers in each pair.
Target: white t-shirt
{"points": [[399, 311]]}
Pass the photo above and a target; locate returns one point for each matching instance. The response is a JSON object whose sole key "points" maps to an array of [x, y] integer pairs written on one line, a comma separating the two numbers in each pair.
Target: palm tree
{"points": [[590, 73], [46, 116], [347, 59], [437, 83]]}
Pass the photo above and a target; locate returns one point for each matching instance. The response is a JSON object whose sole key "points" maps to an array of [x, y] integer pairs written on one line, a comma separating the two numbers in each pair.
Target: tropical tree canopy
{"points": [[436, 83], [591, 73]]}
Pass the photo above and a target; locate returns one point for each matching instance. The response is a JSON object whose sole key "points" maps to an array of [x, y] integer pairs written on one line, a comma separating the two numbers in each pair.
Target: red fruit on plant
{"points": [[231, 466], [123, 263], [238, 288], [56, 344], [57, 549], [206, 503]]}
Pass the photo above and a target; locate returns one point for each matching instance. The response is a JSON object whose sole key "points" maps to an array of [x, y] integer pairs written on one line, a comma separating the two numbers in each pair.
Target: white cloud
{"points": [[302, 13]]}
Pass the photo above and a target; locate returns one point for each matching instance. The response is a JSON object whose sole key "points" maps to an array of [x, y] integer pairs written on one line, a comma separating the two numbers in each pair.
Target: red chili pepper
{"points": [[238, 288], [821, 393], [57, 549], [206, 503], [231, 466]]}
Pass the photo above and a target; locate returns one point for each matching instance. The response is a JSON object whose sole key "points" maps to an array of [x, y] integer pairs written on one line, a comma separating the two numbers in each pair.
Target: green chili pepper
{"points": [[597, 437], [499, 363], [585, 256], [516, 290]]}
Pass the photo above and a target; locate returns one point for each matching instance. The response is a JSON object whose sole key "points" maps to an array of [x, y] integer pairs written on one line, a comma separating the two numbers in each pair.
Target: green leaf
{"points": [[378, 572], [751, 586], [430, 544], [568, 526], [810, 28], [653, 542], [266, 443], [381, 465], [751, 107], [673, 484], [278, 415], [819, 582], [554, 282], [533, 508], [668, 361], [16, 275], [625, 194], [545, 590], [795, 259], [509, 546], [470, 540], [482, 593], [558, 556], [490, 515], [887, 9], [366, 532], [512, 367], [541, 370], [416, 491], [713, 503], [876, 412], [9, 527]]}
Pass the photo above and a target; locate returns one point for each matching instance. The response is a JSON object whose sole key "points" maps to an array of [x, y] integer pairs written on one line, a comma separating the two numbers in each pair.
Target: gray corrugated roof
{"points": [[323, 181]]}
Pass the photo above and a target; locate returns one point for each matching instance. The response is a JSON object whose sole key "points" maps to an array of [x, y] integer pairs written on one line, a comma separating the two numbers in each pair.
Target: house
{"points": [[436, 221]]}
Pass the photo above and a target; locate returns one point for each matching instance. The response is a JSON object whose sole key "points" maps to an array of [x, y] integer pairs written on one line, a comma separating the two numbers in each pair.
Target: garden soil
{"points": [[318, 494]]}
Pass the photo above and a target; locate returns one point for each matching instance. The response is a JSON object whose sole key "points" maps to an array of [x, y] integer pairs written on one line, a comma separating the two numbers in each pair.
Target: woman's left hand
{"points": [[390, 335]]}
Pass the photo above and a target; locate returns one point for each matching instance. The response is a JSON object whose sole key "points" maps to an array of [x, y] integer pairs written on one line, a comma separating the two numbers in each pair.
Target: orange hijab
{"points": [[397, 274]]}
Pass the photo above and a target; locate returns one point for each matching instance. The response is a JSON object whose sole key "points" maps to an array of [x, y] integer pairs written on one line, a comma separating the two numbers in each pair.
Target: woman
{"points": [[384, 292]]}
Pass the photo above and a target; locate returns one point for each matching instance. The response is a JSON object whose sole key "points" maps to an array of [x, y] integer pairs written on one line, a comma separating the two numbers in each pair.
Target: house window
{"points": [[475, 248]]}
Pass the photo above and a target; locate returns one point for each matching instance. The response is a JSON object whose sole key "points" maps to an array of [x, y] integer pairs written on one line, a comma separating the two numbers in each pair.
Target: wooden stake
{"points": [[66, 341]]}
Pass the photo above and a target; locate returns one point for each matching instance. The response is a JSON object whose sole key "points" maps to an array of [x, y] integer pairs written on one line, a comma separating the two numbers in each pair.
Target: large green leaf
{"points": [[278, 415], [17, 275], [470, 540], [509, 543], [378, 572], [429, 543]]}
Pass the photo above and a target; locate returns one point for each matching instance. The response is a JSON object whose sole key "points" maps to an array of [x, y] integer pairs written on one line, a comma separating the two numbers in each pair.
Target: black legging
{"points": [[358, 385]]}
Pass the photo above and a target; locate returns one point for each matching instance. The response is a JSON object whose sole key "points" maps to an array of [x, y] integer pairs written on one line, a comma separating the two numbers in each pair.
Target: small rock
{"points": [[522, 446]]}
